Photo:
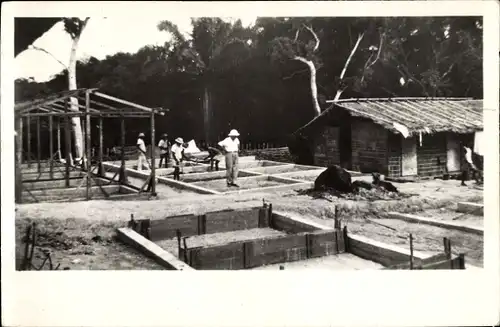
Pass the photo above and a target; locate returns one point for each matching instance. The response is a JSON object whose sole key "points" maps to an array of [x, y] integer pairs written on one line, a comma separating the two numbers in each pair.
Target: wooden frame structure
{"points": [[60, 108]]}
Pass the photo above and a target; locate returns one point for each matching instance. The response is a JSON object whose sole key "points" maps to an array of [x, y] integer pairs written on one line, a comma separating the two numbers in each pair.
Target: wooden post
{"points": [[101, 167], [88, 164], [28, 122], [21, 140], [411, 252], [19, 155], [51, 148], [38, 145], [346, 239], [153, 164], [67, 135], [59, 139], [123, 176], [179, 235]]}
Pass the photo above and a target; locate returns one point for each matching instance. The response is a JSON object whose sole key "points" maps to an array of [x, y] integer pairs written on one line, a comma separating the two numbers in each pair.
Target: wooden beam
{"points": [[102, 105], [28, 123], [21, 139], [101, 145], [61, 114], [19, 155], [36, 104], [153, 164], [51, 148], [135, 105], [38, 145], [68, 148], [87, 141]]}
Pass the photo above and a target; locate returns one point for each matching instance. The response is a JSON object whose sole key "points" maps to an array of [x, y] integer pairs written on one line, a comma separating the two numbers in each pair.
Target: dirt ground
{"points": [[451, 215], [79, 223], [243, 183]]}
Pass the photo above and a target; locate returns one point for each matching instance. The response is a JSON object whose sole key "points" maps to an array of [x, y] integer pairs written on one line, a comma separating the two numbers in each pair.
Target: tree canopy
{"points": [[229, 76]]}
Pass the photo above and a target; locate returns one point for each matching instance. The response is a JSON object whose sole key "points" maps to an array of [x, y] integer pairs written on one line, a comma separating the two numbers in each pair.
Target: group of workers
{"points": [[174, 155]]}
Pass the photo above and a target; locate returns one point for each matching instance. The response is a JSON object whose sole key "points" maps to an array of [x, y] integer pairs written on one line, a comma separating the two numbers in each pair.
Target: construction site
{"points": [[105, 214]]}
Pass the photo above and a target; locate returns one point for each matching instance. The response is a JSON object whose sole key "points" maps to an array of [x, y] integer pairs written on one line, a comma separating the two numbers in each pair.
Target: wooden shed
{"points": [[398, 137]]}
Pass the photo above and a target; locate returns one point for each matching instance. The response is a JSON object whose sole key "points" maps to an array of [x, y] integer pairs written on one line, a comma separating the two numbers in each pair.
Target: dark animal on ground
{"points": [[356, 185], [334, 177], [383, 184]]}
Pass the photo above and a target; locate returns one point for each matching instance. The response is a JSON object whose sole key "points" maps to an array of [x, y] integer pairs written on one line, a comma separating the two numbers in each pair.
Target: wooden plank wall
{"points": [[265, 251], [209, 223]]}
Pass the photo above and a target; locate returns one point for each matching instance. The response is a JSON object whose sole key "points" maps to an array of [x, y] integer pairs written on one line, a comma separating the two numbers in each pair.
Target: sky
{"points": [[101, 37]]}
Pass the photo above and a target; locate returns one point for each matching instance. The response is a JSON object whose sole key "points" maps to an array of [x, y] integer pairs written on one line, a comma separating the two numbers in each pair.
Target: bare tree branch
{"points": [[295, 73], [353, 51], [369, 64], [296, 35], [315, 37], [50, 54]]}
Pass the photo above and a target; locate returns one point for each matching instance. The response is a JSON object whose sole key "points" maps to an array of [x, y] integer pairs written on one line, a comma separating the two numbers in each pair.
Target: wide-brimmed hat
{"points": [[164, 135], [234, 133], [141, 135], [179, 140]]}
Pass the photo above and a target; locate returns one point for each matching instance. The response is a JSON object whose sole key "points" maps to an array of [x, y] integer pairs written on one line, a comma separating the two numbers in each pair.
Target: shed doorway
{"points": [[409, 156], [452, 153]]}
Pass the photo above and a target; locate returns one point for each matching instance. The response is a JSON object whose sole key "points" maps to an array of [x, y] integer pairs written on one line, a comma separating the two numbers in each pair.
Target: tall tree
{"points": [[206, 54], [74, 27]]}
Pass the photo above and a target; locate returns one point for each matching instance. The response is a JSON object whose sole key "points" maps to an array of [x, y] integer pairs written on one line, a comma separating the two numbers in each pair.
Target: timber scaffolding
{"points": [[59, 107]]}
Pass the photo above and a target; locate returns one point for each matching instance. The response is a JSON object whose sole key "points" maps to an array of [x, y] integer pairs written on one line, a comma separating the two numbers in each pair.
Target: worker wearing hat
{"points": [[231, 146], [141, 158], [177, 157], [164, 146]]}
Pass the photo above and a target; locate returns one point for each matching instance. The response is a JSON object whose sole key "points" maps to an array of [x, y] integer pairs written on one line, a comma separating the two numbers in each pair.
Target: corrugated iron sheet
{"points": [[418, 115]]}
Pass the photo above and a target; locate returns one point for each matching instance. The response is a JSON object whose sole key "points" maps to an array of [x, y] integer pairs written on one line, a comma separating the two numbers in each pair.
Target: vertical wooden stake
{"points": [[59, 139], [346, 239], [21, 140], [28, 123], [88, 163], [68, 146], [123, 175], [51, 148], [101, 167], [153, 163], [179, 235], [411, 251], [19, 155], [38, 145]]}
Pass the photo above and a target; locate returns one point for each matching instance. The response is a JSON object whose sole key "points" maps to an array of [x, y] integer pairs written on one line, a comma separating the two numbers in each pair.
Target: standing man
{"points": [[177, 157], [141, 159], [164, 149], [231, 146]]}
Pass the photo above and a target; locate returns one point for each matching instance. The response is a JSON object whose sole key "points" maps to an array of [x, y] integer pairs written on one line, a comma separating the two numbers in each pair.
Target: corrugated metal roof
{"points": [[426, 115]]}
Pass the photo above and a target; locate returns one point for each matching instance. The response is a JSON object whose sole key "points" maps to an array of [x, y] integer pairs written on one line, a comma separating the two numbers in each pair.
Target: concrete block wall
{"points": [[326, 147], [369, 146], [393, 154], [433, 147]]}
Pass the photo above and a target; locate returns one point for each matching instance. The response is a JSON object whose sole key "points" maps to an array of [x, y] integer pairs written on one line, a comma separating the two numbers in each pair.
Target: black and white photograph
{"points": [[278, 143]]}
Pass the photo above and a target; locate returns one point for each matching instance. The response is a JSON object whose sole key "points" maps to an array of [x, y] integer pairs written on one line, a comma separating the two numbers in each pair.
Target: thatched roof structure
{"points": [[416, 115]]}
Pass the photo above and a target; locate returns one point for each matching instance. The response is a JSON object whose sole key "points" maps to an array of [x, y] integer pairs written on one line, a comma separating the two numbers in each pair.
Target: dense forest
{"points": [[269, 79]]}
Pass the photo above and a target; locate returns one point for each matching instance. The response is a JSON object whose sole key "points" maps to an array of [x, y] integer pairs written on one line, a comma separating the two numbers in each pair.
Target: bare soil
{"points": [[171, 245], [85, 220], [450, 215], [243, 183]]}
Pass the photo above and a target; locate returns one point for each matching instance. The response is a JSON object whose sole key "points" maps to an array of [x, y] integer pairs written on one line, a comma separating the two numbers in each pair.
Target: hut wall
{"points": [[431, 155], [326, 147], [394, 155], [369, 147]]}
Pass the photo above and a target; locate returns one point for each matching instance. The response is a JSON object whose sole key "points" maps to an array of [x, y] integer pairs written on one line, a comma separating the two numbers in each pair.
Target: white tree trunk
{"points": [[353, 51], [314, 88], [72, 85]]}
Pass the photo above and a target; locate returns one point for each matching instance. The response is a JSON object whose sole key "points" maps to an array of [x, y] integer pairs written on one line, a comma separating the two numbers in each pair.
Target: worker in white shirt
{"points": [[231, 145], [177, 157], [164, 149], [141, 158]]}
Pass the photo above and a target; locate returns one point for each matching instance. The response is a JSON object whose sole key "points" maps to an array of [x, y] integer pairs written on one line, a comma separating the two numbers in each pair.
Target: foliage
{"points": [[256, 88]]}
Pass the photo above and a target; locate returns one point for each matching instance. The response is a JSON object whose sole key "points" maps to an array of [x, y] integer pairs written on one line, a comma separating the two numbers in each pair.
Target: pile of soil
{"points": [[374, 194]]}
